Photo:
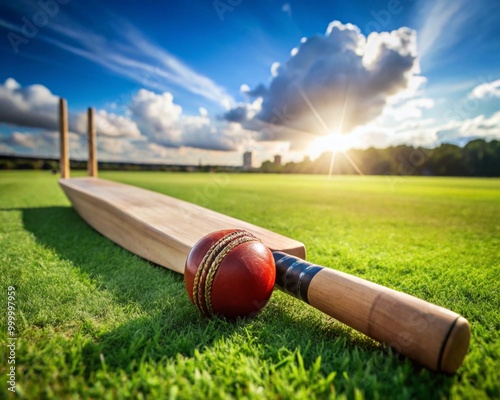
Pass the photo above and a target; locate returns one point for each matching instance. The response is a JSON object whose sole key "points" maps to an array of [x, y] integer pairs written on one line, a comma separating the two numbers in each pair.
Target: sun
{"points": [[330, 143]]}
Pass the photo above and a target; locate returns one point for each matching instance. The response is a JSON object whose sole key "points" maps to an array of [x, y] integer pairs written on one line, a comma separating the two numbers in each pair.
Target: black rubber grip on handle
{"points": [[293, 275]]}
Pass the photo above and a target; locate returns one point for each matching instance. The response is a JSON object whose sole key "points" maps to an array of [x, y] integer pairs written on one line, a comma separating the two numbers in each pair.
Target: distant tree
{"points": [[267, 166], [483, 158], [7, 164], [477, 158], [447, 160]]}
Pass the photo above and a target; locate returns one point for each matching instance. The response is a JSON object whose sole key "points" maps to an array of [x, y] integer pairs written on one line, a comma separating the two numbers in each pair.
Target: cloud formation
{"points": [[486, 90], [43, 142], [479, 127], [151, 117], [164, 123], [22, 139], [118, 47], [35, 106], [442, 24], [31, 106], [336, 81], [107, 124], [410, 109], [427, 132], [132, 55], [157, 116]]}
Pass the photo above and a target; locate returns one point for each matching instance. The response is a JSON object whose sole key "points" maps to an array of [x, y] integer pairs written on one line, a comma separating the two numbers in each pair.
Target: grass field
{"points": [[95, 321]]}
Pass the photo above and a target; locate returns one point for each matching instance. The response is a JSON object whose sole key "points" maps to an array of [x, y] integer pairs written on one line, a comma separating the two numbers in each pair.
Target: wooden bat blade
{"points": [[157, 227]]}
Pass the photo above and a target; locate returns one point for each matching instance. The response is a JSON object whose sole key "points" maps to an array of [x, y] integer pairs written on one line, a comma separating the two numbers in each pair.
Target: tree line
{"points": [[51, 164], [476, 158]]}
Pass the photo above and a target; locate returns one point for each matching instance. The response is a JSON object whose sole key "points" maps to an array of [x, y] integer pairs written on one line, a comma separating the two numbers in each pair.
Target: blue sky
{"points": [[206, 80]]}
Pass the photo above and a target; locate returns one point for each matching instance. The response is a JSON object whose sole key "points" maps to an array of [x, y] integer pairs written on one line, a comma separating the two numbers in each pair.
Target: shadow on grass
{"points": [[170, 325]]}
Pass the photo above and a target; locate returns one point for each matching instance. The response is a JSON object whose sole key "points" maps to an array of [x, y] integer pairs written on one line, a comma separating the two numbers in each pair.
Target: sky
{"points": [[202, 81]]}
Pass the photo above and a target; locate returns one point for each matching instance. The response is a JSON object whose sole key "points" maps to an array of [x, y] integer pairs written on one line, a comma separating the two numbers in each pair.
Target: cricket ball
{"points": [[230, 273]]}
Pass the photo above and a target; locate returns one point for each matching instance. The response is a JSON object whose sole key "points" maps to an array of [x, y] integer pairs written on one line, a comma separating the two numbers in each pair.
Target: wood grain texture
{"points": [[63, 139], [431, 335], [159, 228], [92, 161]]}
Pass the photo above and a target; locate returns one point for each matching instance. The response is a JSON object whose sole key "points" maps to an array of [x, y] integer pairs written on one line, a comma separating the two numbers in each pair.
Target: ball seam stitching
{"points": [[216, 264], [201, 272]]}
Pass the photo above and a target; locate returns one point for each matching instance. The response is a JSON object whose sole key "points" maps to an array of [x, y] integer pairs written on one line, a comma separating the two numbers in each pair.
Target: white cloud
{"points": [[131, 55], [37, 107], [486, 90], [163, 123], [22, 139], [203, 111], [157, 117], [410, 109], [158, 150], [218, 135], [441, 24], [336, 81], [108, 124], [412, 124], [117, 146], [31, 106], [274, 69], [427, 132], [151, 117], [43, 143], [478, 127], [415, 134]]}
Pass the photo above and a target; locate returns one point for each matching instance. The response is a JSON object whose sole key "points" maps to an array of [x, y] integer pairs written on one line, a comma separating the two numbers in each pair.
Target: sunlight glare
{"points": [[330, 143]]}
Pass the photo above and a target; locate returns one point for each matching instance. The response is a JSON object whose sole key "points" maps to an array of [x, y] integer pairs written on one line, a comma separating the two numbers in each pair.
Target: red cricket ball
{"points": [[230, 273]]}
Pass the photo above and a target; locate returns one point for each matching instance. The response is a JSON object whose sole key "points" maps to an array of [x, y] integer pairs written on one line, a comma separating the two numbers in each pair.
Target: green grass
{"points": [[95, 321]]}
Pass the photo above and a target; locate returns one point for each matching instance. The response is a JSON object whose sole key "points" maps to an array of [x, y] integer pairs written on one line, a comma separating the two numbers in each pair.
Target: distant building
{"points": [[247, 160], [277, 160]]}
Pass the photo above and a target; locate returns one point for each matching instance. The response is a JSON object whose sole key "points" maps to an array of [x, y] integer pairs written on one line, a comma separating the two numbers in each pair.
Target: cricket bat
{"points": [[163, 230]]}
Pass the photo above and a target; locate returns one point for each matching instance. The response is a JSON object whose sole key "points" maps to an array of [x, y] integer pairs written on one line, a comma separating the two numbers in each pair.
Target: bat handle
{"points": [[431, 335]]}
